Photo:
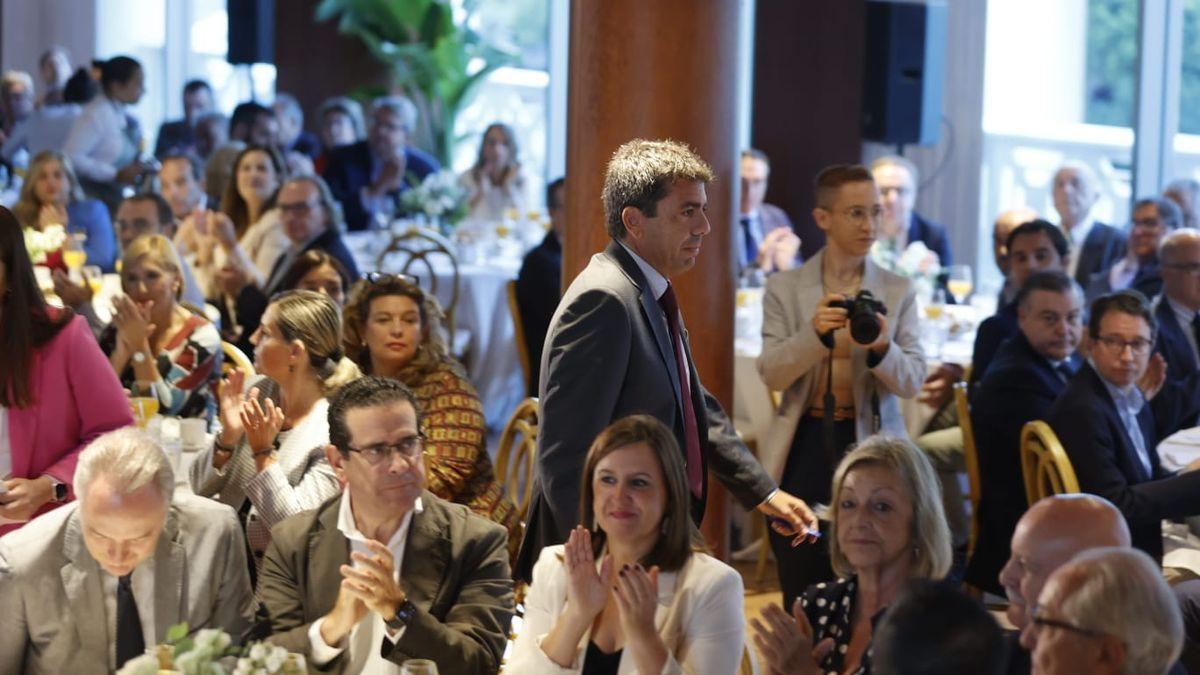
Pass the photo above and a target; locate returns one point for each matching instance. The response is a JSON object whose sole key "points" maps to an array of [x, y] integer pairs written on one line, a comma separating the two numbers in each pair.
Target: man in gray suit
{"points": [[88, 586], [765, 238], [387, 572], [617, 346]]}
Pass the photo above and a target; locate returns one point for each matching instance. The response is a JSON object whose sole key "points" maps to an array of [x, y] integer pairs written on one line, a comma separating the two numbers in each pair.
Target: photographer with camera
{"points": [[840, 340]]}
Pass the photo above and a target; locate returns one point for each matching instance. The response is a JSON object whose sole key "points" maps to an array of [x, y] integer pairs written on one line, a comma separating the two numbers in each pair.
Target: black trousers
{"points": [[808, 475]]}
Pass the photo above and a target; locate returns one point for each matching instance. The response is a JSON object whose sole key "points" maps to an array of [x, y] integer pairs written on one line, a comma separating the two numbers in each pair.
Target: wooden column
{"points": [[657, 70]]}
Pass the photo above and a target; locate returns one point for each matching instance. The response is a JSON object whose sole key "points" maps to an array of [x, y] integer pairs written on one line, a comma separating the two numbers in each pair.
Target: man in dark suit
{"points": [[367, 177], [898, 180], [1029, 372], [420, 578], [1033, 247], [765, 238], [1153, 219], [1178, 310], [311, 220], [539, 283], [1098, 246], [179, 136], [617, 346], [1110, 433]]}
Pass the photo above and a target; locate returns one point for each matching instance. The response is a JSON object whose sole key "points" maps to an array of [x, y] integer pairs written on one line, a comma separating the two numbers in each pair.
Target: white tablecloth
{"points": [[492, 362]]}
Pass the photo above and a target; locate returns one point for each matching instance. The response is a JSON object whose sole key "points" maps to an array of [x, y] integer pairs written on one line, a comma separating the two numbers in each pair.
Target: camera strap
{"points": [[827, 422]]}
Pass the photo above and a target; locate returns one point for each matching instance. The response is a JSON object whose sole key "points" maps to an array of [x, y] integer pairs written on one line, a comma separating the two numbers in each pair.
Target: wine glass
{"points": [[960, 283], [94, 278], [419, 667], [73, 254]]}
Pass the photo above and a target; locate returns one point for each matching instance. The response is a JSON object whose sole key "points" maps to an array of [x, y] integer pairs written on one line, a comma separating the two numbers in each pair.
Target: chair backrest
{"points": [[422, 253], [235, 359], [1044, 463], [517, 454], [514, 309], [970, 458]]}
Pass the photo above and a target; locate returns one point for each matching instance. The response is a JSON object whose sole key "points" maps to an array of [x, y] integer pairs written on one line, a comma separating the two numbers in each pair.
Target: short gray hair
{"points": [[400, 106], [1121, 592], [130, 459], [903, 163], [289, 107], [1183, 235]]}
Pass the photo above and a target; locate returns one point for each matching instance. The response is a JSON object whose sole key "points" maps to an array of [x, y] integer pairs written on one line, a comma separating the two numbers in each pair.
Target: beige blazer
{"points": [[699, 618], [793, 356], [51, 593]]}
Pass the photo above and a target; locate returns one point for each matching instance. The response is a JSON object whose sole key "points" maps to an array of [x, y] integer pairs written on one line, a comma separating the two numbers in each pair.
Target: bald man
{"points": [[1178, 309], [1099, 246], [1005, 223]]}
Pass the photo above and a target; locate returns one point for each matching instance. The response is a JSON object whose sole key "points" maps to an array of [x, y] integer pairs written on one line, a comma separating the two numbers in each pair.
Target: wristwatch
{"points": [[404, 615], [138, 357], [60, 489]]}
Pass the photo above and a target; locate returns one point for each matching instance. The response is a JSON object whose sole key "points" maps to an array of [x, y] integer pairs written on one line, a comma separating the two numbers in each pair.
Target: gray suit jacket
{"points": [[607, 355], [51, 590], [455, 571], [793, 356]]}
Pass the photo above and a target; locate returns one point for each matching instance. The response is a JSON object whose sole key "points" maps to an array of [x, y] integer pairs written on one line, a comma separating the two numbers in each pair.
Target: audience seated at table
{"points": [[887, 527], [386, 572], [367, 177], [934, 628], [632, 590], [270, 450], [341, 124], [539, 282], [1178, 307], [181, 183], [298, 147], [47, 127], [1033, 247], [392, 328], [311, 221], [1006, 222], [1106, 611], [90, 586], [1110, 433], [212, 132], [316, 270], [1153, 218], [103, 143], [51, 195], [766, 240], [1030, 371], [1096, 246], [56, 388], [804, 337], [901, 226], [251, 123], [495, 184], [1185, 192], [157, 346], [177, 137]]}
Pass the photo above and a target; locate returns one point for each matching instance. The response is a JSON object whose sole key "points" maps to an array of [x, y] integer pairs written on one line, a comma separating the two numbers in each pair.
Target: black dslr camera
{"points": [[864, 325]]}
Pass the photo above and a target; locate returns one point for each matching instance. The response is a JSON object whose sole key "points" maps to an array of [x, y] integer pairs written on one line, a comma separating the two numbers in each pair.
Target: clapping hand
{"points": [[786, 642], [229, 400], [262, 424], [132, 322], [1152, 380], [52, 214], [938, 389], [587, 589], [636, 592], [372, 580]]}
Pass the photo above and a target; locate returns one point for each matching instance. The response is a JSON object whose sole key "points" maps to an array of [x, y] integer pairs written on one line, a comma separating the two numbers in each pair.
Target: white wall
{"points": [[28, 27]]}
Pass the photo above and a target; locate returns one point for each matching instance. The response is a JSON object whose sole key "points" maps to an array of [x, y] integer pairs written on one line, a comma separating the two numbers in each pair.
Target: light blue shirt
{"points": [[1129, 402]]}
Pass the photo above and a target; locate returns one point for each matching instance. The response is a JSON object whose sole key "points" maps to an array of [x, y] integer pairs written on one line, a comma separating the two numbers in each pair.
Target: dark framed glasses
{"points": [[1042, 621], [409, 447]]}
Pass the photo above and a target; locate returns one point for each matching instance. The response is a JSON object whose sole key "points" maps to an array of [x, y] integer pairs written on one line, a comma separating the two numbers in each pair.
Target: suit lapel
{"points": [[653, 312], [328, 550], [1129, 456], [1174, 344], [426, 554], [170, 560], [81, 583]]}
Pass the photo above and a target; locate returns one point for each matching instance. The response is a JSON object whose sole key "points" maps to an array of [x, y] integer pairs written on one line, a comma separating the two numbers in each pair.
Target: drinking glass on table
{"points": [[94, 278], [419, 667], [960, 282], [143, 400], [73, 254]]}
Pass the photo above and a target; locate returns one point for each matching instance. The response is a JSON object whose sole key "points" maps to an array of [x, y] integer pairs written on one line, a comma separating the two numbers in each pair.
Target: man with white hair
{"points": [[1099, 246], [90, 585], [1178, 308], [1108, 610], [367, 177]]}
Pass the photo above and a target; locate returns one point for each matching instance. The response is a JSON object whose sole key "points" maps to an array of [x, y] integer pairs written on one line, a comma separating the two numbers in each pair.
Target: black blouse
{"points": [[830, 609], [599, 662]]}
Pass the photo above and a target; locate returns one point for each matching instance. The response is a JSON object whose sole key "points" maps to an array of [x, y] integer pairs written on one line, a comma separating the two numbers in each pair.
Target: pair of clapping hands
{"points": [[243, 414], [634, 588], [786, 642], [367, 585]]}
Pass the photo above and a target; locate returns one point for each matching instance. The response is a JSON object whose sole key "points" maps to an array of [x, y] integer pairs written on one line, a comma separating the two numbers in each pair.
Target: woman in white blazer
{"points": [[631, 591]]}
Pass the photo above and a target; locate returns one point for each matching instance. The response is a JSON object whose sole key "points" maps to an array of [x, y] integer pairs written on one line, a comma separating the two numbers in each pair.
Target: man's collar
{"points": [[1181, 312], [658, 283], [1127, 397], [1080, 232], [349, 528]]}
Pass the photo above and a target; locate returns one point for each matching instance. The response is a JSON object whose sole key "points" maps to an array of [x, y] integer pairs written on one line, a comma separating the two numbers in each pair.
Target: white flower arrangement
{"points": [[208, 652], [40, 243], [916, 261], [438, 196]]}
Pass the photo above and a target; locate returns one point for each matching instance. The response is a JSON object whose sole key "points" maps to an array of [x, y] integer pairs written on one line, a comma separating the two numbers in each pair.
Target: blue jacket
{"points": [[90, 217], [351, 168]]}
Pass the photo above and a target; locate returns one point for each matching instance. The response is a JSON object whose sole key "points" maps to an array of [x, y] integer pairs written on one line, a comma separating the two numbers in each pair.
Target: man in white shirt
{"points": [[387, 572], [90, 585], [1098, 246]]}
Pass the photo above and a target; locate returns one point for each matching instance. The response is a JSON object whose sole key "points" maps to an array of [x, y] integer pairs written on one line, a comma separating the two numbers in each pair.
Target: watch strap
{"points": [[404, 615], [59, 488]]}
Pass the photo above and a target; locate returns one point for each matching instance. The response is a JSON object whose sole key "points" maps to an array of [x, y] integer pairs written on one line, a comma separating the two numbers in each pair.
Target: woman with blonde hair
{"points": [[392, 328], [495, 183], [270, 449], [888, 527], [156, 343], [51, 195], [632, 591]]}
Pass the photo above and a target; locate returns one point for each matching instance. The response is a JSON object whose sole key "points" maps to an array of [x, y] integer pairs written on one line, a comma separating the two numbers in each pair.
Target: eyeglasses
{"points": [[1117, 345], [1148, 223], [409, 447], [299, 208], [1045, 622], [1186, 268], [384, 277], [859, 214]]}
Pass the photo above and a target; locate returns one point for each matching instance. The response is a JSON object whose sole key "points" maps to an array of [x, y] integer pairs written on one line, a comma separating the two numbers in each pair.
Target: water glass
{"points": [[419, 667]]}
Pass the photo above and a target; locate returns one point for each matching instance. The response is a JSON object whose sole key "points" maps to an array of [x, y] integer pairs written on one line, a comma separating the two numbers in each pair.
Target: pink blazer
{"points": [[77, 397]]}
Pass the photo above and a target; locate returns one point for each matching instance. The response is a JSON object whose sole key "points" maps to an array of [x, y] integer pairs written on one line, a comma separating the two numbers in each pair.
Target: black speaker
{"points": [[251, 31], [905, 63]]}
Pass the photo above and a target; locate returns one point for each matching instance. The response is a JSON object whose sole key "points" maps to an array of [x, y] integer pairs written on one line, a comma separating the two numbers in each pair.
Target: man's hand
{"points": [[881, 343], [231, 279], [791, 517], [24, 496], [827, 319], [938, 389], [372, 580], [1152, 380], [345, 615], [778, 250], [71, 293], [391, 176]]}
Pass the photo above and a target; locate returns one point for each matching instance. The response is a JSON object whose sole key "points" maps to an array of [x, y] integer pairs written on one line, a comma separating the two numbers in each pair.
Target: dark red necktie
{"points": [[691, 435]]}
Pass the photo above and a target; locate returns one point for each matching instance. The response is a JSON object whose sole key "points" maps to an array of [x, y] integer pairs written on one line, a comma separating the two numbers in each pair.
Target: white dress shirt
{"points": [[142, 583], [1183, 315], [1123, 273], [1078, 235], [367, 637], [98, 144]]}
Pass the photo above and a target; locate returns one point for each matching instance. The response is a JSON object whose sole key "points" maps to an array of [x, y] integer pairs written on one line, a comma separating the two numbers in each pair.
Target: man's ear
{"points": [[633, 219], [821, 216], [337, 462]]}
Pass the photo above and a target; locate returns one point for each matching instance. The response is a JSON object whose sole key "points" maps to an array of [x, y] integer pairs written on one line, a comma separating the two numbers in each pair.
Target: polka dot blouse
{"points": [[830, 609]]}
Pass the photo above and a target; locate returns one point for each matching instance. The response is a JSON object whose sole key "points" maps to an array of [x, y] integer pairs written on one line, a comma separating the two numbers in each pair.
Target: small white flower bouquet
{"points": [[208, 652], [439, 196], [916, 261], [41, 244]]}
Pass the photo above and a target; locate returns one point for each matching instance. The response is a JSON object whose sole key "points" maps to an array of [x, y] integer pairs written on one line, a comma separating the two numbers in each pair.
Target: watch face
{"points": [[60, 492]]}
